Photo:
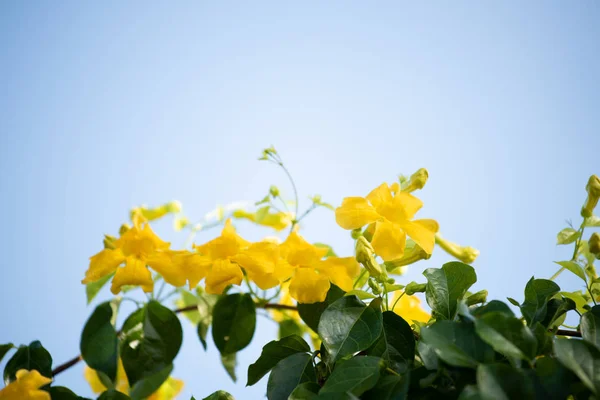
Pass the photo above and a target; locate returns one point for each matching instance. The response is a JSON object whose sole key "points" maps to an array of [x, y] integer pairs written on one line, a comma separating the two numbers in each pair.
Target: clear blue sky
{"points": [[108, 105]]}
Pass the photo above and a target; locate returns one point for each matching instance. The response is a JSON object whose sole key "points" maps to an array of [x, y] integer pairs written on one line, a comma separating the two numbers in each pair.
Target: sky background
{"points": [[108, 105]]}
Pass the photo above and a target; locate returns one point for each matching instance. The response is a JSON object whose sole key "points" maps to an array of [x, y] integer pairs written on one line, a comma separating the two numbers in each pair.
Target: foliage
{"points": [[347, 328]]}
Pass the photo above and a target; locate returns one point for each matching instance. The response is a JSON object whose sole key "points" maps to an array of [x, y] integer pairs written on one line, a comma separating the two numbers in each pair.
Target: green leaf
{"points": [[152, 339], [556, 312], [446, 286], [552, 379], [470, 392], [202, 330], [92, 289], [113, 395], [361, 294], [62, 393], [567, 236], [189, 299], [305, 391], [494, 306], [356, 376], [578, 298], [348, 326], [219, 395], [99, 342], [5, 348], [457, 344], [289, 373], [330, 252], [582, 358], [507, 335], [501, 382], [427, 355], [150, 384], [543, 339], [590, 326], [272, 353], [34, 356], [288, 327], [593, 221], [311, 313], [574, 267], [396, 345], [229, 362], [234, 321], [537, 294], [391, 387], [513, 302]]}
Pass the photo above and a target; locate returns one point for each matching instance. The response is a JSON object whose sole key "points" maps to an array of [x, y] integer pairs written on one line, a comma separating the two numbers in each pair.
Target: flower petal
{"points": [[133, 273], [409, 308], [422, 231], [380, 195], [340, 271], [388, 241], [168, 390], [298, 252], [307, 286], [227, 245], [102, 264], [165, 263], [355, 212], [223, 274], [26, 386], [407, 204]]}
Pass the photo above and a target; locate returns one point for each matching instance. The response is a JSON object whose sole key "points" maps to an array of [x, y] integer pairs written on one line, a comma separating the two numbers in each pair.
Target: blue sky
{"points": [[109, 105]]}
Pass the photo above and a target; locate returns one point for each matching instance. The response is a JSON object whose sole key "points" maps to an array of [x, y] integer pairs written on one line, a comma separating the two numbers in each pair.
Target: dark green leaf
{"points": [[219, 395], [543, 339], [590, 326], [62, 393], [202, 330], [5, 348], [356, 375], [92, 289], [493, 306], [311, 313], [34, 356], [470, 392], [396, 345], [305, 391], [113, 395], [582, 358], [537, 294], [234, 321], [507, 335], [348, 326], [229, 362], [552, 379], [428, 356], [152, 339], [513, 302], [150, 384], [556, 312], [99, 342], [446, 286], [457, 344], [501, 382], [272, 353], [390, 387], [289, 373]]}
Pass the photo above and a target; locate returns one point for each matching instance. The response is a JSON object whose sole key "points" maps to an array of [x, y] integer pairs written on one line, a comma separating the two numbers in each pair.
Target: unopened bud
{"points": [[464, 254], [417, 181], [274, 191], [593, 190], [476, 298], [356, 233], [124, 228], [410, 256], [594, 244], [109, 242], [415, 287], [374, 287], [364, 255]]}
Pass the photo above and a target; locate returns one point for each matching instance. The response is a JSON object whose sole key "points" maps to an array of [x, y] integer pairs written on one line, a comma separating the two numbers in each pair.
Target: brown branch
{"points": [[273, 306], [564, 332]]}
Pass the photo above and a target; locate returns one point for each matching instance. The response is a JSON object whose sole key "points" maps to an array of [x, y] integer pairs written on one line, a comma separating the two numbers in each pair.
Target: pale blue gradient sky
{"points": [[109, 105]]}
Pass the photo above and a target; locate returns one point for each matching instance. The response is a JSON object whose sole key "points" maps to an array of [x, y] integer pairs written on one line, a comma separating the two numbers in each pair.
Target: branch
{"points": [[564, 332], [273, 306]]}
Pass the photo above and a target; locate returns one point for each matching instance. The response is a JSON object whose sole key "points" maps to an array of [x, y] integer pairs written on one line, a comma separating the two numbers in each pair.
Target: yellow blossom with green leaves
{"points": [[26, 387], [409, 308]]}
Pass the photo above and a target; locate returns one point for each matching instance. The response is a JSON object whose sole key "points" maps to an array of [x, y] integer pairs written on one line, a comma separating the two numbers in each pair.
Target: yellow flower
{"points": [[391, 214], [217, 263], [135, 249], [167, 391], [409, 308], [312, 275], [278, 220], [26, 387], [465, 254], [264, 264]]}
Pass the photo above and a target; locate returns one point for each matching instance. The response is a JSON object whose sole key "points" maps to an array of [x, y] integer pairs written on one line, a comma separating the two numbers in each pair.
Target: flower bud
{"points": [[364, 255], [415, 287], [594, 244], [476, 298], [464, 254], [274, 191], [410, 256], [374, 287], [109, 242], [124, 228], [356, 233], [593, 190], [417, 181]]}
